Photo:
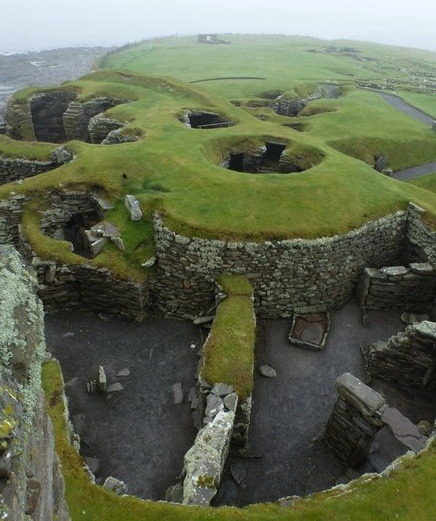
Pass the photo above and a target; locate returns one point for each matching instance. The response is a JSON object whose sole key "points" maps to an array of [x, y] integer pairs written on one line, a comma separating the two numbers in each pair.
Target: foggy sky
{"points": [[43, 24]]}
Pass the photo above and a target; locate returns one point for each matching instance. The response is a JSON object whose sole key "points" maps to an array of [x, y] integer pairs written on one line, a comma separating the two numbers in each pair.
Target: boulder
{"points": [[132, 205]]}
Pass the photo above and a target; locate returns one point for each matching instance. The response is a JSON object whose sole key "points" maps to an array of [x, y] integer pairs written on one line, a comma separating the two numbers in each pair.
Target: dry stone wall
{"points": [[288, 275], [408, 358], [355, 419], [397, 287]]}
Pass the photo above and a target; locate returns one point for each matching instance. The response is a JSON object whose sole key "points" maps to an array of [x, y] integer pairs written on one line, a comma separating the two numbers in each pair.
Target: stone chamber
{"points": [[388, 265]]}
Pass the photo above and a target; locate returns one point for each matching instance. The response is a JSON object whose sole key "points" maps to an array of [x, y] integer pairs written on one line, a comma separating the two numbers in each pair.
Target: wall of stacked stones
{"points": [[285, 275], [408, 358], [86, 287], [421, 243], [397, 287], [14, 169], [11, 211]]}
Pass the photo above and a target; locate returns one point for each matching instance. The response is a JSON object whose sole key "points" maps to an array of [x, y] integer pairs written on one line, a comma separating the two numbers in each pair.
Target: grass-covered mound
{"points": [[408, 494], [177, 170]]}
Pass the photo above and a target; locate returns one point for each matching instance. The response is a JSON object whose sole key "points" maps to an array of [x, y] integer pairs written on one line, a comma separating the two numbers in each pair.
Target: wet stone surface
{"points": [[138, 433]]}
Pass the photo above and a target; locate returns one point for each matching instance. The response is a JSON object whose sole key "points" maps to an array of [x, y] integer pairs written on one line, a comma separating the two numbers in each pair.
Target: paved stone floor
{"points": [[139, 434]]}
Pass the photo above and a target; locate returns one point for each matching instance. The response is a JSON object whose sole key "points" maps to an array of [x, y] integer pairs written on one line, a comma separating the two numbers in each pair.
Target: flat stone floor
{"points": [[291, 411], [139, 434]]}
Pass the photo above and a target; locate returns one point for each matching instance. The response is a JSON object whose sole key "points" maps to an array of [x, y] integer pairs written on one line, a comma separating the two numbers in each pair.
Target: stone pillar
{"points": [[354, 421]]}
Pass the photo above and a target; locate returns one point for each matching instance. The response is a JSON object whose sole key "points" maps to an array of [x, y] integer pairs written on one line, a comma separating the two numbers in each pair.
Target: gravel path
{"points": [[400, 104]]}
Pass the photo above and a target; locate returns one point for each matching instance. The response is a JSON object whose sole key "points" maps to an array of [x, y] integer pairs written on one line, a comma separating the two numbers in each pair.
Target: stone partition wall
{"points": [[396, 287], [355, 419], [421, 240], [408, 358], [11, 211], [286, 275], [77, 117]]}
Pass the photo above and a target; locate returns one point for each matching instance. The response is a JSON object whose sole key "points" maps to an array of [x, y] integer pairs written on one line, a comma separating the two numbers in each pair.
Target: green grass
{"points": [[408, 495], [176, 171], [229, 349]]}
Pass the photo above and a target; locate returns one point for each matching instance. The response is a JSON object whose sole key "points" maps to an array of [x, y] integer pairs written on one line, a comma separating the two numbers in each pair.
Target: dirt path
{"points": [[400, 104]]}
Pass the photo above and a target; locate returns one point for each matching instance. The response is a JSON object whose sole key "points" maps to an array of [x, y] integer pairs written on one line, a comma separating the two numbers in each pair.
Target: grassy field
{"points": [[177, 170]]}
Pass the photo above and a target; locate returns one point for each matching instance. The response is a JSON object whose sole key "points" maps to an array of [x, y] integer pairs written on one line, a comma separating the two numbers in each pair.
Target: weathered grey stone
{"points": [[268, 371], [174, 494], [124, 372], [403, 429], [119, 243], [231, 402], [115, 485], [132, 205], [101, 380], [214, 405], [114, 388], [365, 399], [177, 392], [149, 263], [221, 389]]}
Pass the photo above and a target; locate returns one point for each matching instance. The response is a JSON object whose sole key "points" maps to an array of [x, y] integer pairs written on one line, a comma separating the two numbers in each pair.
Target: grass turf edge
{"points": [[228, 352]]}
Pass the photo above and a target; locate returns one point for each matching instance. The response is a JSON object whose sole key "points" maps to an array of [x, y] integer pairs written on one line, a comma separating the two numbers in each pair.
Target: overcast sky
{"points": [[43, 24]]}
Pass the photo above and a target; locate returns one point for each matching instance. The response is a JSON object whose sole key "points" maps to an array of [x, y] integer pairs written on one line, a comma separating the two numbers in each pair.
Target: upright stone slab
{"points": [[355, 419]]}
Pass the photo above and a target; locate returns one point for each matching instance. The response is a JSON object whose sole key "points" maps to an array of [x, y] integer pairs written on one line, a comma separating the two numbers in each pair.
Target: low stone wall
{"points": [[421, 240], [355, 419], [292, 107], [11, 211], [288, 275], [31, 482], [396, 287], [408, 358], [16, 169]]}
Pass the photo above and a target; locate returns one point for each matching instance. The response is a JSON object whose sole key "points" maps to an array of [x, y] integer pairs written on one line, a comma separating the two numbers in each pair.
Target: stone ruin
{"points": [[270, 158], [204, 120], [359, 413], [57, 117]]}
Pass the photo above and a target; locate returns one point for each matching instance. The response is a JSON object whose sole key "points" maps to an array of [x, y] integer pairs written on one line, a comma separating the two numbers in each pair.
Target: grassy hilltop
{"points": [[178, 171]]}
